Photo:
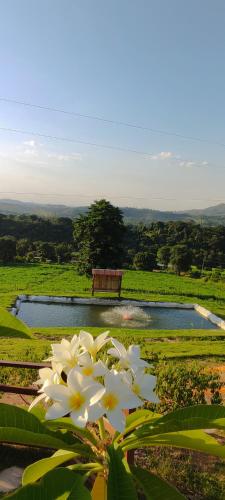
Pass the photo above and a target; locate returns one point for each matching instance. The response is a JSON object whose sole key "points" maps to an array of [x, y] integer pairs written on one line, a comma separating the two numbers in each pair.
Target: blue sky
{"points": [[159, 64]]}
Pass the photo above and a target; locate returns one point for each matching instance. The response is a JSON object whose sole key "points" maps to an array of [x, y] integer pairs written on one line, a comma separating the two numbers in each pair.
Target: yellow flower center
{"points": [[136, 389], [87, 370], [76, 401], [110, 401]]}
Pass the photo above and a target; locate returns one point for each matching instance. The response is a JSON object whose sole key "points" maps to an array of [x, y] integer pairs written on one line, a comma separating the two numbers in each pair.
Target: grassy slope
{"points": [[63, 280], [12, 327]]}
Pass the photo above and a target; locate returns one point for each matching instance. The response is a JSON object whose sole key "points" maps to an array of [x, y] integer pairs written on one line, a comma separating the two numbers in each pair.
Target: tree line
{"points": [[99, 238]]}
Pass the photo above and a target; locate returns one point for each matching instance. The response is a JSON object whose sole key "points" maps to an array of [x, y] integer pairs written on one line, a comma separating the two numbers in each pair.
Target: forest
{"points": [[31, 238]]}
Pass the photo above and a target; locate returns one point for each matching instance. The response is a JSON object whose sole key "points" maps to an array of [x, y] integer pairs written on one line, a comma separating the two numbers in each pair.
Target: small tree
{"points": [[144, 261], [23, 246], [7, 249], [181, 258], [163, 255], [63, 252], [45, 251]]}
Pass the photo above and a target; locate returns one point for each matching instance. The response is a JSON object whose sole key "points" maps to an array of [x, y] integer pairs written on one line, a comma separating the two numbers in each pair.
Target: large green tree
{"points": [[98, 237]]}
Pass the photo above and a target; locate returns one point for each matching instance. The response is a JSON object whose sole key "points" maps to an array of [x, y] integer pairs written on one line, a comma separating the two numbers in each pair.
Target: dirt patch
{"points": [[16, 399]]}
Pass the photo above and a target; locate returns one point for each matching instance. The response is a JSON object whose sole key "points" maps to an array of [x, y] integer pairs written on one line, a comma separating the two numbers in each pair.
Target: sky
{"points": [[158, 65]]}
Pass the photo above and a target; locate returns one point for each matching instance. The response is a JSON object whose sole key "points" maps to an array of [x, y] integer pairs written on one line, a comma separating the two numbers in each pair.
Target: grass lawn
{"points": [[17, 341], [56, 279]]}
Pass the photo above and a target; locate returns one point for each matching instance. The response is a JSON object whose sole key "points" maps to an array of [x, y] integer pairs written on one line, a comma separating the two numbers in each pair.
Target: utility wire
{"points": [[76, 141], [113, 122], [104, 146]]}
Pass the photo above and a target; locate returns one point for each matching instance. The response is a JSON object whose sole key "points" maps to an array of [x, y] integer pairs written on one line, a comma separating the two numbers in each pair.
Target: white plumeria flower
{"points": [[116, 398], [66, 353], [90, 368], [129, 358], [76, 398], [92, 345], [143, 386], [48, 376]]}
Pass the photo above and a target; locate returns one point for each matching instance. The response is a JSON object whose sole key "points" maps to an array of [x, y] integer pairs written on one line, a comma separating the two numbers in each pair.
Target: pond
{"points": [[39, 314]]}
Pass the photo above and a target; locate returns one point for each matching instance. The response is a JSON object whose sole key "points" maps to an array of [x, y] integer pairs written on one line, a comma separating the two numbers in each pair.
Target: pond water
{"points": [[37, 314]]}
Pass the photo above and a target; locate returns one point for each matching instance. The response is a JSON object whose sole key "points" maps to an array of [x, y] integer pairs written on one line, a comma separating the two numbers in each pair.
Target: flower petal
{"points": [[132, 402], [45, 373], [57, 410], [117, 419], [101, 340], [99, 369], [94, 393], [147, 384], [36, 401], [86, 340], [95, 412], [85, 359], [113, 352], [58, 393], [79, 418], [66, 344], [134, 351], [76, 381], [120, 347]]}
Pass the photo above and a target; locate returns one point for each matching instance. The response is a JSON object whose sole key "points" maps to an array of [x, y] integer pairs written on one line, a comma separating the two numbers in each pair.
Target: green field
{"points": [[17, 341], [63, 280]]}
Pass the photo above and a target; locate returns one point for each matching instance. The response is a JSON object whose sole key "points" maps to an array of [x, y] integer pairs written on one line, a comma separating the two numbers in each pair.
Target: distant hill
{"points": [[16, 207], [215, 211], [146, 215], [211, 216]]}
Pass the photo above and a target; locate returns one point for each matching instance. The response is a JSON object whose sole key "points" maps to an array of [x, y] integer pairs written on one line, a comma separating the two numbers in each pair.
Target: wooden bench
{"points": [[106, 280]]}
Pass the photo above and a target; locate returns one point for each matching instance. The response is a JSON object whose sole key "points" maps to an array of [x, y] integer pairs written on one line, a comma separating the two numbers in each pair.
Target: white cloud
{"points": [[163, 155], [63, 157], [191, 164], [29, 152], [31, 144], [168, 155], [34, 153]]}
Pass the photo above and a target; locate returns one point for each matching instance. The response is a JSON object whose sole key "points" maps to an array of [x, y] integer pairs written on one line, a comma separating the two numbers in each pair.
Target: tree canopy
{"points": [[98, 237]]}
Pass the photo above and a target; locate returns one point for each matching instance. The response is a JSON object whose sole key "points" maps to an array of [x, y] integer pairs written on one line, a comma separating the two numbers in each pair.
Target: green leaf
{"points": [[67, 423], [21, 427], [120, 484], [155, 488], [140, 417], [139, 414], [60, 484], [38, 469], [209, 413], [136, 419], [191, 418], [193, 440], [39, 411]]}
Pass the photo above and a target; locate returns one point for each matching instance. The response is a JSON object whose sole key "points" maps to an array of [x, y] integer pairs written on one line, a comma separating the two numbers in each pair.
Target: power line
{"points": [[112, 122], [104, 146], [76, 141]]}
